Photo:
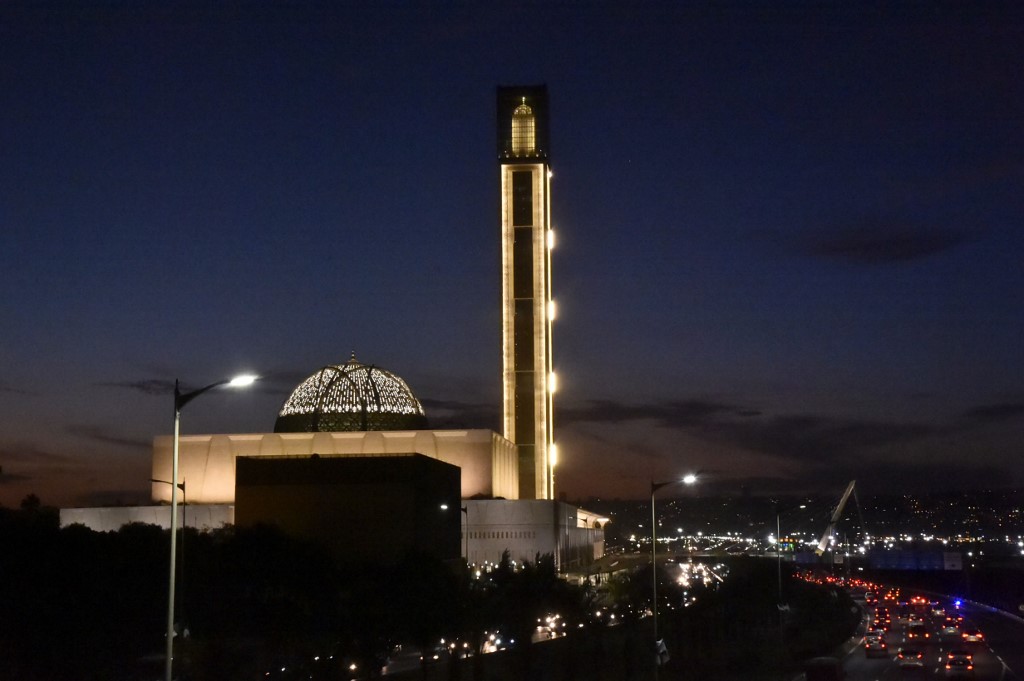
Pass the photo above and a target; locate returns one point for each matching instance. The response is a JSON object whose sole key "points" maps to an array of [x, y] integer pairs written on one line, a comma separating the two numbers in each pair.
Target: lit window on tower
{"points": [[524, 135]]}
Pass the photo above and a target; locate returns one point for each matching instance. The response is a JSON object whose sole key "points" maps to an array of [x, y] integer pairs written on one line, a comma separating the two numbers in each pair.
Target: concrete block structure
{"points": [[362, 509]]}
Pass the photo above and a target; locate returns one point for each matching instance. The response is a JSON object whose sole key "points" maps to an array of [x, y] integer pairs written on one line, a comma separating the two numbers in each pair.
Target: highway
{"points": [[994, 658]]}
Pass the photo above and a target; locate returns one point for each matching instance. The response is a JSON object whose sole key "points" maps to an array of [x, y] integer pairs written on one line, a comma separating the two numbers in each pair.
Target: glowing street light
{"points": [[180, 400], [688, 479]]}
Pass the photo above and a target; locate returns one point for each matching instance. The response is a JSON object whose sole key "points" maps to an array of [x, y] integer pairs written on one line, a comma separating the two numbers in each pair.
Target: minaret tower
{"points": [[526, 304]]}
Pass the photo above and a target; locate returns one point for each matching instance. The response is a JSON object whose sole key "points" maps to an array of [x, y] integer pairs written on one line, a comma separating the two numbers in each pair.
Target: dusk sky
{"points": [[789, 240]]}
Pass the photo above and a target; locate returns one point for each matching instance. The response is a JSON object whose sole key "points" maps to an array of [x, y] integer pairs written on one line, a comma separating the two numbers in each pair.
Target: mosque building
{"points": [[352, 460]]}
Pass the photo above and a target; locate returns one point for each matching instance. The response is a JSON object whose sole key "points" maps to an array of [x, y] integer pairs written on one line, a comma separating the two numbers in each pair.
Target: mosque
{"points": [[352, 461]]}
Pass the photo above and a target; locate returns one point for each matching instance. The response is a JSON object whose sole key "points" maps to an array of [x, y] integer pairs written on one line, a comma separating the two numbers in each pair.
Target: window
{"points": [[522, 338], [524, 130], [522, 197], [522, 262]]}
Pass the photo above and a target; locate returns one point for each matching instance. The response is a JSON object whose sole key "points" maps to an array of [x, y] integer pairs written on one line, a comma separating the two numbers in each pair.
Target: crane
{"points": [[823, 544]]}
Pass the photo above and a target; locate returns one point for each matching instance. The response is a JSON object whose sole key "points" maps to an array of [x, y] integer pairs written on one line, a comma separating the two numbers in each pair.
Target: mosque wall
{"points": [[206, 463], [113, 518], [525, 528]]}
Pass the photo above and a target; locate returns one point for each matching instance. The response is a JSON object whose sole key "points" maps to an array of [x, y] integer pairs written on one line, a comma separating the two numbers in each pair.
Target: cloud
{"points": [[98, 434], [27, 453], [879, 244], [807, 438], [995, 413], [148, 386], [8, 478], [25, 456], [810, 439], [876, 478], [943, 476], [455, 414], [269, 383], [5, 388], [670, 414]]}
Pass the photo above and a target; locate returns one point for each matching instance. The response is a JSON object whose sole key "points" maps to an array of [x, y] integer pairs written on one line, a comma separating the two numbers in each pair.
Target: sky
{"points": [[789, 242]]}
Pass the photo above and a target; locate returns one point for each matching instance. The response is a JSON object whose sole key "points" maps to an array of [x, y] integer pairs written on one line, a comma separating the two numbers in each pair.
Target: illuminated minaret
{"points": [[527, 307]]}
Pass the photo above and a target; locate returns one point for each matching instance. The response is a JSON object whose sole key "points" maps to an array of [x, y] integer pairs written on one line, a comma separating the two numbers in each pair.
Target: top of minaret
{"points": [[523, 124]]}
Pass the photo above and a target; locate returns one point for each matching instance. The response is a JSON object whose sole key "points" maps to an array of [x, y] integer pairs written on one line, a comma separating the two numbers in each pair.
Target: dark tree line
{"points": [[79, 604], [84, 605]]}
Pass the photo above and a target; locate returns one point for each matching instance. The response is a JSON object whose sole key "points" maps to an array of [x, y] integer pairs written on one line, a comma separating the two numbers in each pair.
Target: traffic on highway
{"points": [[914, 635]]}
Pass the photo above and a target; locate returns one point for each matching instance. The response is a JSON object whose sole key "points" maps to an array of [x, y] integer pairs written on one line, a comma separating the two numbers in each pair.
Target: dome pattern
{"points": [[351, 397]]}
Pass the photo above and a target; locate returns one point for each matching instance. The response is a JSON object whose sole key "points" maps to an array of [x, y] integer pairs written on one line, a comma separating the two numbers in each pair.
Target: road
{"points": [[995, 658]]}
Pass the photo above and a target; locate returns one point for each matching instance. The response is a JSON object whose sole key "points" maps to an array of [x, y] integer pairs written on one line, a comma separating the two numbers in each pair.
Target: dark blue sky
{"points": [[789, 235]]}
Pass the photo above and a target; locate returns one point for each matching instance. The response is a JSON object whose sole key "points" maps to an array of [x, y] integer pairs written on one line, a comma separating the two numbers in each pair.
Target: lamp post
{"points": [[778, 550], [779, 512], [465, 533], [180, 400], [688, 479], [184, 524], [782, 607]]}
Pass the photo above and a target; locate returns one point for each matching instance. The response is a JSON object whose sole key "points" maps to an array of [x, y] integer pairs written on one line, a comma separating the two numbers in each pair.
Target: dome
{"points": [[351, 397]]}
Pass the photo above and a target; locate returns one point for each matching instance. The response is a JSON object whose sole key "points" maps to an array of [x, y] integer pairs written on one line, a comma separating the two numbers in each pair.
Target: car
{"points": [[959, 667], [433, 654], [823, 669], [972, 635], [878, 632], [870, 597], [918, 631], [875, 646], [910, 659], [949, 631], [959, 654]]}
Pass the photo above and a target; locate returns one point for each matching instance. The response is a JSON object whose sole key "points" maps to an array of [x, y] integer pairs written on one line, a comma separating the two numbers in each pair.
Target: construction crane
{"points": [[823, 544]]}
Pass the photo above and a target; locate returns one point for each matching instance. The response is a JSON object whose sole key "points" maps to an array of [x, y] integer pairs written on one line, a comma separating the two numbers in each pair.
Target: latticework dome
{"points": [[351, 397]]}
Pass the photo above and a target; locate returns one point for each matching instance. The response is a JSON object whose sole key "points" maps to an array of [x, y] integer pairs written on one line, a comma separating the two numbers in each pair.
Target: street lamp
{"points": [[782, 607], [465, 534], [180, 400], [687, 479], [778, 541], [184, 524]]}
